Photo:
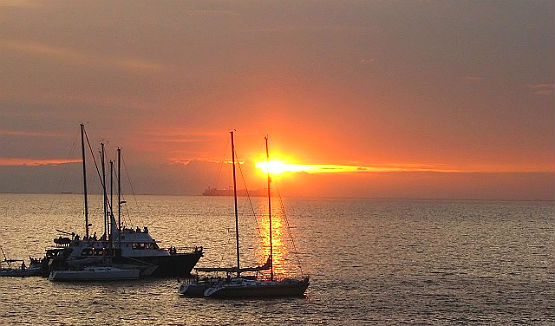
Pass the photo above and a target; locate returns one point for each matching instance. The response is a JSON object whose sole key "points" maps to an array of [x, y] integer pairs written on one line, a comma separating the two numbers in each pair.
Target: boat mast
{"points": [[111, 199], [235, 199], [104, 195], [119, 197], [85, 181], [269, 210]]}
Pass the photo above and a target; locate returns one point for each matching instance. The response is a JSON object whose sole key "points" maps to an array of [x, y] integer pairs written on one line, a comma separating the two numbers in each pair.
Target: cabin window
{"points": [[138, 245], [144, 245]]}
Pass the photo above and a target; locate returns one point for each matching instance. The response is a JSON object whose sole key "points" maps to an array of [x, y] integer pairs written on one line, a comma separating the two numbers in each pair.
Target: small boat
{"points": [[20, 269], [95, 273], [21, 272], [245, 286]]}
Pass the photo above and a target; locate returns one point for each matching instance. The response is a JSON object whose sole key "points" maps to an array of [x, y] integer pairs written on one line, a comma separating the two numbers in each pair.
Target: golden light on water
{"points": [[280, 250]]}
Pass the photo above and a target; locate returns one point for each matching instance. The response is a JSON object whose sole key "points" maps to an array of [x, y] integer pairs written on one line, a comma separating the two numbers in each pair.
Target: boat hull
{"points": [[179, 264], [18, 272], [192, 290], [291, 288], [100, 274]]}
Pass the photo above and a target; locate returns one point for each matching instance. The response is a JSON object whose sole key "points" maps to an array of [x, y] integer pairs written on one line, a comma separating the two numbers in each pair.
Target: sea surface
{"points": [[371, 262]]}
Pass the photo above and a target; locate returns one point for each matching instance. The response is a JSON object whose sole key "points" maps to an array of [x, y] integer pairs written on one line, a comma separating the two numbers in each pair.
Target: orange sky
{"points": [[408, 94]]}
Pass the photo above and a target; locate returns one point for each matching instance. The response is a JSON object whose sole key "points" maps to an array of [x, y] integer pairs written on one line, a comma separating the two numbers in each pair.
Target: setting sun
{"points": [[277, 167]]}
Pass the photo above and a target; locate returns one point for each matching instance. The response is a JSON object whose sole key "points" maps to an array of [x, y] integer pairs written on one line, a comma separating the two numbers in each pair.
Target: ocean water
{"points": [[371, 262]]}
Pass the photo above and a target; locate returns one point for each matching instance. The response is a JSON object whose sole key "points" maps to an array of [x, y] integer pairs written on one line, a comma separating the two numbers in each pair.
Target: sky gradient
{"points": [[458, 95]]}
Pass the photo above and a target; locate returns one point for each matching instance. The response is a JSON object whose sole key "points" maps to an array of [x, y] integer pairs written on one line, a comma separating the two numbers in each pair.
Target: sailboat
{"points": [[246, 286], [119, 246]]}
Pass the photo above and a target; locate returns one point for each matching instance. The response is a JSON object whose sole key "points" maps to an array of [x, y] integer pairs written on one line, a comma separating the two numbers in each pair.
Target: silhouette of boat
{"points": [[122, 245], [245, 286]]}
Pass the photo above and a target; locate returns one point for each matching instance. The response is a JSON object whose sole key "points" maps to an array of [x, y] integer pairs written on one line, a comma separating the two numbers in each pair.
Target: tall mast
{"points": [[119, 197], [85, 180], [235, 199], [104, 195], [111, 198], [269, 211]]}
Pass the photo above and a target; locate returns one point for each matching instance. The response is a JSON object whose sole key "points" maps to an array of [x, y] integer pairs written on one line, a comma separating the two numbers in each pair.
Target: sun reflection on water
{"points": [[280, 249]]}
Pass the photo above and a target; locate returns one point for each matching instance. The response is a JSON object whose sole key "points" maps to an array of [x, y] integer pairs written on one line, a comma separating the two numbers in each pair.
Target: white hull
{"points": [[95, 274]]}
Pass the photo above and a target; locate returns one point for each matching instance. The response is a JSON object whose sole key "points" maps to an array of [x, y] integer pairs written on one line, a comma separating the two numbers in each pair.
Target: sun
{"points": [[278, 167]]}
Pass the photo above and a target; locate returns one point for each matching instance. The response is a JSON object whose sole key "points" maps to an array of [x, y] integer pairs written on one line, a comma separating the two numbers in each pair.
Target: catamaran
{"points": [[245, 286], [119, 245]]}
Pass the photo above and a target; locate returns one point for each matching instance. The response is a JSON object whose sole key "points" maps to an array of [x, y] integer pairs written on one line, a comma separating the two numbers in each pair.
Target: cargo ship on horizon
{"points": [[211, 191]]}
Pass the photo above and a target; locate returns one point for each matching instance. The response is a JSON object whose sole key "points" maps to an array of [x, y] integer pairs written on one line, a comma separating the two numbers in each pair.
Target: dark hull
{"points": [[271, 291], [179, 264]]}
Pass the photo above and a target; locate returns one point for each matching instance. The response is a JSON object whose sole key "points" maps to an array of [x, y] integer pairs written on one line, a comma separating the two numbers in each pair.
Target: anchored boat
{"points": [[17, 267], [122, 245], [245, 286]]}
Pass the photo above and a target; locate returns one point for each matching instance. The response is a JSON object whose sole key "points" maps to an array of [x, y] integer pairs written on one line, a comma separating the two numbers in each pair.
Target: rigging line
{"points": [[226, 246], [122, 198], [93, 157], [289, 229], [130, 184], [249, 198], [220, 166], [62, 182], [126, 216], [96, 166], [98, 171]]}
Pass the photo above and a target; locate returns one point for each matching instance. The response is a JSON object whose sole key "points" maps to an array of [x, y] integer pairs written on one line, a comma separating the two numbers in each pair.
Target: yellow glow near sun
{"points": [[277, 167]]}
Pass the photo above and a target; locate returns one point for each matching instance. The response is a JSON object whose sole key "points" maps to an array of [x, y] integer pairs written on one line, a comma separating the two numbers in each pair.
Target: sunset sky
{"points": [[417, 99]]}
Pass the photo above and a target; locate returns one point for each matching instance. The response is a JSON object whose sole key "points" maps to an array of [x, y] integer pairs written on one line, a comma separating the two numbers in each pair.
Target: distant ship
{"points": [[229, 192]]}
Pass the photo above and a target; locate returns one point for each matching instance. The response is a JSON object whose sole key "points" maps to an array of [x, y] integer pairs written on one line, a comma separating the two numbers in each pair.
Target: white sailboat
{"points": [[250, 286]]}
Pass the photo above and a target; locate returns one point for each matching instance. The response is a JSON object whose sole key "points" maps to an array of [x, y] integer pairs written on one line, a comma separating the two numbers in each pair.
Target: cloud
{"points": [[26, 133], [19, 3], [212, 12], [80, 57], [473, 78], [541, 89], [182, 137], [34, 162], [367, 61]]}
